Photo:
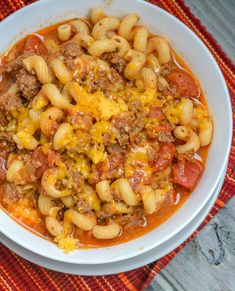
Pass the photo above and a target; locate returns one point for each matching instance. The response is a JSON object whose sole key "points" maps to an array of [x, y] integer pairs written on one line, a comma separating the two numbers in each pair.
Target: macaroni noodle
{"points": [[38, 64], [103, 26], [162, 47], [126, 25]]}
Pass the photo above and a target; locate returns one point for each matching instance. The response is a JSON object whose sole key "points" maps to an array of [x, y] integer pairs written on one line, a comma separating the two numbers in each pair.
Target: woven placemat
{"points": [[19, 274]]}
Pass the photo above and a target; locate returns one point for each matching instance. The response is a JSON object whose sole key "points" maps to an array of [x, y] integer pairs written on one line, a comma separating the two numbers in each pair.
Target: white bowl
{"points": [[200, 60]]}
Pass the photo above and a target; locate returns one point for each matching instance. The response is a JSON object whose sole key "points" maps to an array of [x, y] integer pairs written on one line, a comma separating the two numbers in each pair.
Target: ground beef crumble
{"points": [[17, 64], [117, 62], [70, 50], [82, 206], [103, 81], [28, 84], [9, 101], [12, 193], [7, 144]]}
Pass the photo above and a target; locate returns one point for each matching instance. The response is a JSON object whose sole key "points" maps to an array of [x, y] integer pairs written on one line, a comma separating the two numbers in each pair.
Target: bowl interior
{"points": [[196, 55]]}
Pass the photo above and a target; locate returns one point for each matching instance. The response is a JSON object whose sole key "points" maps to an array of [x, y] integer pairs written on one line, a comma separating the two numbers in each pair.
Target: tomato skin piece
{"points": [[185, 84], [35, 44], [171, 197], [187, 173], [164, 157]]}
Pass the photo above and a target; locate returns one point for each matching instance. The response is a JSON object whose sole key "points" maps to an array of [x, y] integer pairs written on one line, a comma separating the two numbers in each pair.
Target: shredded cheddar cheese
{"points": [[68, 244], [97, 156]]}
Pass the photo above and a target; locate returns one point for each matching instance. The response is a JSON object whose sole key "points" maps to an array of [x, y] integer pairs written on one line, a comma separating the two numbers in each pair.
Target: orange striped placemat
{"points": [[19, 274]]}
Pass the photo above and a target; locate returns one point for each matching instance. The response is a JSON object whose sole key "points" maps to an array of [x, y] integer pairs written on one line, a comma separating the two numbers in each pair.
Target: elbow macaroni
{"points": [[106, 232], [80, 26], [13, 172], [125, 190], [49, 120], [56, 98], [122, 45], [85, 40], [141, 39], [149, 199], [192, 140], [103, 26], [185, 107], [51, 46], [161, 46], [63, 136], [114, 207], [45, 204], [64, 32], [96, 15], [152, 63], [38, 65], [54, 226], [205, 133], [83, 221], [136, 62], [102, 46], [149, 78], [49, 180], [126, 25], [103, 190], [25, 140], [60, 71]]}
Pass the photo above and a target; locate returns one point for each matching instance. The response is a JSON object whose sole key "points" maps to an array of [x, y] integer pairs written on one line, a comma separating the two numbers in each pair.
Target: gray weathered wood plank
{"points": [[207, 262]]}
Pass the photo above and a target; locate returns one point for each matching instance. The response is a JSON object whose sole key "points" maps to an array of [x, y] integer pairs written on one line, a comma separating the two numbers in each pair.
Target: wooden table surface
{"points": [[208, 261]]}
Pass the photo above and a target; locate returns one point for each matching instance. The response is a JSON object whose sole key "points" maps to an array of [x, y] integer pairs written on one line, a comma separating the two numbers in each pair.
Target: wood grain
{"points": [[207, 262]]}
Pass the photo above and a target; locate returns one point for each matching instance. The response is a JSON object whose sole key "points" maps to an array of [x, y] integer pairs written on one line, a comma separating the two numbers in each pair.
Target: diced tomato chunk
{"points": [[187, 173], [2, 169], [40, 162], [109, 169], [98, 172], [165, 127], [35, 44], [156, 112], [185, 84], [114, 162], [164, 157]]}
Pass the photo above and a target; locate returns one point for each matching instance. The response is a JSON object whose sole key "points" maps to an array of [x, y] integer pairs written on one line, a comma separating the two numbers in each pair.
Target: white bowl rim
{"points": [[30, 247]]}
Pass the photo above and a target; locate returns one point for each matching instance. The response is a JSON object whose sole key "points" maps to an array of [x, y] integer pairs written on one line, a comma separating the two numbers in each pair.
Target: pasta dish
{"points": [[104, 131]]}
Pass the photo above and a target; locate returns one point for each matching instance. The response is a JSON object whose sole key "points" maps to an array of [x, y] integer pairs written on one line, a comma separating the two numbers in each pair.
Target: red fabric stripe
{"points": [[14, 275]]}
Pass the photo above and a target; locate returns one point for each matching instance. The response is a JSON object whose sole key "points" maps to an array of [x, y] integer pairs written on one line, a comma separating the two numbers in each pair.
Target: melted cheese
{"points": [[97, 156], [100, 106], [137, 160]]}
